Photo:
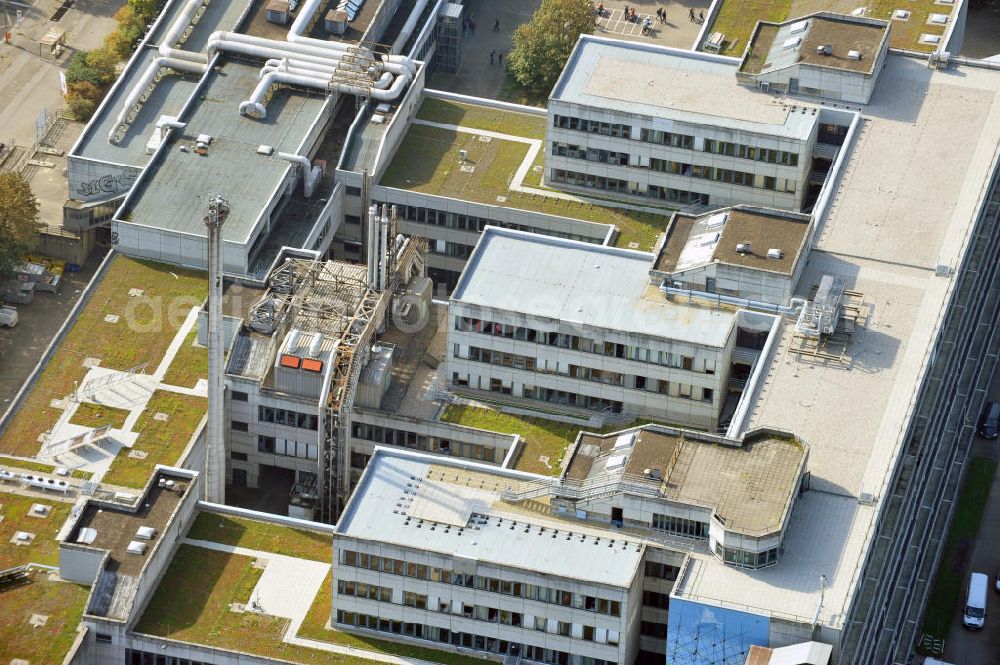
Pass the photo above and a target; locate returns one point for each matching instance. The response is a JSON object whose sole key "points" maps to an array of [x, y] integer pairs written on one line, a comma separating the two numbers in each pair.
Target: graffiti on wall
{"points": [[107, 184]]}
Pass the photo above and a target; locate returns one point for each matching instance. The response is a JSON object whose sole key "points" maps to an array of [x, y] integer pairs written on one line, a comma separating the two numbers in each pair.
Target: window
{"points": [[352, 219], [239, 396], [103, 638], [353, 191], [239, 426], [238, 457], [265, 444]]}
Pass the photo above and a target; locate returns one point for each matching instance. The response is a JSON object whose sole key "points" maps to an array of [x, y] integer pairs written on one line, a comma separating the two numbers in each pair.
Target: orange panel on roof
{"points": [[290, 361], [312, 365]]}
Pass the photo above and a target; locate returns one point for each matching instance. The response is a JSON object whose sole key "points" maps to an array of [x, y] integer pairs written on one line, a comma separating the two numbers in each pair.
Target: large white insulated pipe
{"points": [[297, 66], [328, 51], [411, 23], [257, 98], [139, 88], [266, 52], [175, 30], [296, 32], [310, 174]]}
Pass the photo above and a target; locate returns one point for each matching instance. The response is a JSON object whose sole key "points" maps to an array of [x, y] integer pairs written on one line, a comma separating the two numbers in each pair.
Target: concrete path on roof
{"points": [[287, 589], [517, 183]]}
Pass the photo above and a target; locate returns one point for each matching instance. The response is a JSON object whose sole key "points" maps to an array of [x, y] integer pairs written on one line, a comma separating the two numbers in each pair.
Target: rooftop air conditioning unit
{"points": [[463, 155], [854, 55], [774, 253], [265, 150], [743, 248], [824, 49]]}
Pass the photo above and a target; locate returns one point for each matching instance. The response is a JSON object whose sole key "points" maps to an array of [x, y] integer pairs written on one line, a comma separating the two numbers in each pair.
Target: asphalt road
{"points": [[982, 647]]}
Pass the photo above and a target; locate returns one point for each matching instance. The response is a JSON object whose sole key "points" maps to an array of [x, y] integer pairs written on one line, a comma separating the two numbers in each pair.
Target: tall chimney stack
{"points": [[215, 453]]}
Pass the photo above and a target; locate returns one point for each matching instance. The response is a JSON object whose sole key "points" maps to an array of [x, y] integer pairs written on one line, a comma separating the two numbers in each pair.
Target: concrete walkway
{"points": [[287, 589], [120, 390], [517, 183]]}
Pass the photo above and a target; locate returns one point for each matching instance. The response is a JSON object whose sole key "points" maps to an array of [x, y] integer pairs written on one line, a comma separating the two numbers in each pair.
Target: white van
{"points": [[974, 615]]}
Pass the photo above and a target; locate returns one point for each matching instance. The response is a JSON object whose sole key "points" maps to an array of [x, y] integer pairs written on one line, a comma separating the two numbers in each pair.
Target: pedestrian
{"points": [[663, 15], [691, 14], [472, 27], [625, 15], [501, 59], [496, 25], [701, 16], [492, 55], [658, 10]]}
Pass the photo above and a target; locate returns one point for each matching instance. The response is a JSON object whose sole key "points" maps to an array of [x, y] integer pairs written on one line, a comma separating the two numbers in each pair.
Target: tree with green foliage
{"points": [[18, 222], [146, 10], [130, 28], [543, 44]]}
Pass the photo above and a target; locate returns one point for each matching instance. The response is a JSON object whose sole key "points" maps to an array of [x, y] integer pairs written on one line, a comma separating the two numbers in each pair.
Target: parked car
{"points": [[989, 422], [8, 317]]}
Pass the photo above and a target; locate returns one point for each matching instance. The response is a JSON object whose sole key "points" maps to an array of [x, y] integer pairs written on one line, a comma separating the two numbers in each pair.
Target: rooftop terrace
{"points": [[842, 34], [571, 281], [695, 241], [427, 162], [44, 599], [884, 236], [749, 487]]}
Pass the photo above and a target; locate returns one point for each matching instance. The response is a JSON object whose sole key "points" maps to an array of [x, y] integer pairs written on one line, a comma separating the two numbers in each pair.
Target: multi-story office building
{"points": [[501, 562], [825, 55], [670, 126], [585, 326]]}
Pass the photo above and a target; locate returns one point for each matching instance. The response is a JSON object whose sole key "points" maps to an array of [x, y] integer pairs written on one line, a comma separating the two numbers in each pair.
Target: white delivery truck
{"points": [[974, 615]]}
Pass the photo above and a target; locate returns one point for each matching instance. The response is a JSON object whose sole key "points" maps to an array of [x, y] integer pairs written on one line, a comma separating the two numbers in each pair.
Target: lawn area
{"points": [[193, 600], [737, 18], [483, 117], [43, 549], [98, 415], [314, 627], [162, 441], [511, 91], [542, 437], [145, 328], [30, 465], [952, 571], [62, 602], [262, 536], [190, 363], [427, 162], [905, 34]]}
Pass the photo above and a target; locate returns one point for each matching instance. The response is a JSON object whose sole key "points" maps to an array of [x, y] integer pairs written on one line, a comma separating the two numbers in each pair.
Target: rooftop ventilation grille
{"points": [[791, 42], [798, 27]]}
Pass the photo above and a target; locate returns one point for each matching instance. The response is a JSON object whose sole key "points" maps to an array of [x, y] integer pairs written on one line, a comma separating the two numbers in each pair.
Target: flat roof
{"points": [[748, 486], [173, 192], [885, 235], [169, 95], [454, 507], [672, 84], [113, 529], [771, 45], [693, 241], [573, 281]]}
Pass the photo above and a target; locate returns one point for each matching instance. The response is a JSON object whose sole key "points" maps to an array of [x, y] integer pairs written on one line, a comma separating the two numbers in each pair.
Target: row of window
{"points": [[745, 559], [680, 526], [660, 601], [675, 140], [584, 344], [407, 439], [273, 446], [561, 397], [661, 571], [471, 611], [727, 176], [267, 414], [592, 126], [134, 657], [471, 223], [592, 181], [602, 376], [482, 643], [480, 582], [750, 152]]}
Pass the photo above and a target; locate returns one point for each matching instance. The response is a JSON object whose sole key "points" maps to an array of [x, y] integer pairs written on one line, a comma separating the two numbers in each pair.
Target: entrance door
{"points": [[793, 86], [617, 517]]}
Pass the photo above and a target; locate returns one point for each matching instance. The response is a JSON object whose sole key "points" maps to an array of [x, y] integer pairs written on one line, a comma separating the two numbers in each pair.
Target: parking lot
{"points": [[22, 346], [677, 29]]}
